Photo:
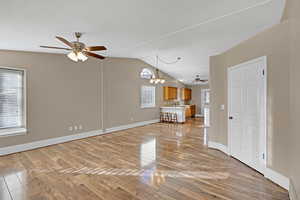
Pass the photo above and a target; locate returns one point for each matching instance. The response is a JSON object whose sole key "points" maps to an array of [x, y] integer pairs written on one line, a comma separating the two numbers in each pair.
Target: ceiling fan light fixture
{"points": [[79, 51], [72, 55], [81, 56], [162, 81]]}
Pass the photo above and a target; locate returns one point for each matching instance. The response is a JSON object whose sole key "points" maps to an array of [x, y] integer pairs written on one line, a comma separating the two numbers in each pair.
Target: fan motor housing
{"points": [[78, 46]]}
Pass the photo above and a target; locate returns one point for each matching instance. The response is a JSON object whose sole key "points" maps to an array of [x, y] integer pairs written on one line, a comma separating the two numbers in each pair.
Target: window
{"points": [[147, 73], [147, 96], [12, 101], [205, 110], [206, 96]]}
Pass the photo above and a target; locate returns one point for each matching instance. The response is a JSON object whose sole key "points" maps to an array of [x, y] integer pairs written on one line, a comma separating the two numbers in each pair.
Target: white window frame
{"points": [[203, 103], [150, 105], [20, 130]]}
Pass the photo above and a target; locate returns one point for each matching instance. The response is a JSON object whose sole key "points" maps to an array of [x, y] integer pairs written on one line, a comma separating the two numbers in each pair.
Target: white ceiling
{"points": [[192, 30]]}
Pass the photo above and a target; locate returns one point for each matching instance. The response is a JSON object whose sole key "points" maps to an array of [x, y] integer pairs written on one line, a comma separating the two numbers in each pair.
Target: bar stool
{"points": [[174, 118], [168, 117]]}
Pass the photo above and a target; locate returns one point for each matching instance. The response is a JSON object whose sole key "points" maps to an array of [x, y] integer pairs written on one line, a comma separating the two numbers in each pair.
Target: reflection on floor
{"points": [[159, 161]]}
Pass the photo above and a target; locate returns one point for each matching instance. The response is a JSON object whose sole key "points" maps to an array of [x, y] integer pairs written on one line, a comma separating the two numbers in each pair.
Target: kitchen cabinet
{"points": [[193, 110], [190, 111], [170, 93], [186, 94]]}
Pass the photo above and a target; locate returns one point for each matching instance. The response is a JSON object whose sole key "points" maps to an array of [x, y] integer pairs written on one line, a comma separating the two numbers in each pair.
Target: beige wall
{"points": [[282, 46], [218, 96], [122, 92], [294, 162], [61, 93], [196, 96], [274, 44]]}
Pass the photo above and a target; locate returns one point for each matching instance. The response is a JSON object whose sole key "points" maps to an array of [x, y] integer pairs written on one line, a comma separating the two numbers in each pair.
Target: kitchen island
{"points": [[179, 110], [183, 112]]}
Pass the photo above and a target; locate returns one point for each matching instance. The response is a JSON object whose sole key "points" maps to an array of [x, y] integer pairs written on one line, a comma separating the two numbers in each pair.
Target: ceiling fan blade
{"points": [[93, 55], [49, 47], [65, 41], [95, 48]]}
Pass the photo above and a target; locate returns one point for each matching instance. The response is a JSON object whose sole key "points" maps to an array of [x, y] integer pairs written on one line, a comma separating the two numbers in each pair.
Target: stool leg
{"points": [[165, 117]]}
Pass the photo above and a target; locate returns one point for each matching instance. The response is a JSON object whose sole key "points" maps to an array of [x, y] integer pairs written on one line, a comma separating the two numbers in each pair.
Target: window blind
{"points": [[11, 98], [148, 96]]}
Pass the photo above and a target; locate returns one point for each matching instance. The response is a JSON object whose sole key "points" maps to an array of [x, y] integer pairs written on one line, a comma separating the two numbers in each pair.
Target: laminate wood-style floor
{"points": [[158, 161]]}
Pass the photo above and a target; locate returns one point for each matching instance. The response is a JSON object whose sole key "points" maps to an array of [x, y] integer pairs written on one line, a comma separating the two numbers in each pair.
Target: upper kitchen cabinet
{"points": [[186, 94], [170, 93]]}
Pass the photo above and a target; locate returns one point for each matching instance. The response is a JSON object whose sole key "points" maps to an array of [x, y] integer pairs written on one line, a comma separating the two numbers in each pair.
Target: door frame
{"points": [[263, 144]]}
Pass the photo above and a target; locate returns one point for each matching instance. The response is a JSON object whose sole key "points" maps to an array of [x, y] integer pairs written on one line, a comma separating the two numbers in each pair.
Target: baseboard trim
{"points": [[292, 192], [47, 142], [43, 143], [270, 174], [133, 125], [277, 178], [218, 146]]}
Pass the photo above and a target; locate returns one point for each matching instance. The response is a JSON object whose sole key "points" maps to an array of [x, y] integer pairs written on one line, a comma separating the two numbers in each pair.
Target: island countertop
{"points": [[173, 107]]}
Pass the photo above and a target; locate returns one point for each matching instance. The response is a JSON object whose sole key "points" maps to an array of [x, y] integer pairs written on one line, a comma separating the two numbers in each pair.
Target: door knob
{"points": [[230, 117]]}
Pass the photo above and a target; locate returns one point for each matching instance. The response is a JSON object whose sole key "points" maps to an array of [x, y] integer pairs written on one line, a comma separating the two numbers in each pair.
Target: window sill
{"points": [[145, 107], [12, 132]]}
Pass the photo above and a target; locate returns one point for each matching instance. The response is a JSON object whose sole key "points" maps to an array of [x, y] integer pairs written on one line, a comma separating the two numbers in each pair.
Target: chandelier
{"points": [[156, 79]]}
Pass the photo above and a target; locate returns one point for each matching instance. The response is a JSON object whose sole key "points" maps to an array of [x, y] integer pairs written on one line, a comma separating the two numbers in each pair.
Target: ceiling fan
{"points": [[79, 51], [199, 80]]}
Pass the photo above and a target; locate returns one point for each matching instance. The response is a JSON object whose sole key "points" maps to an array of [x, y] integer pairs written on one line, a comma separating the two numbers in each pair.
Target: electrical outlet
{"points": [[70, 128], [75, 128], [80, 127]]}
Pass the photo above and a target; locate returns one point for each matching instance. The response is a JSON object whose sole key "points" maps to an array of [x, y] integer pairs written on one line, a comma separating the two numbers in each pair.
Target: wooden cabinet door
{"points": [[166, 93], [188, 112], [170, 93], [193, 110], [186, 94], [183, 97], [189, 91], [174, 93]]}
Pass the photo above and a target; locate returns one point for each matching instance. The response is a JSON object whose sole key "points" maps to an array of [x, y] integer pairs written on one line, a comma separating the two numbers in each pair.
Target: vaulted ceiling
{"points": [[192, 30]]}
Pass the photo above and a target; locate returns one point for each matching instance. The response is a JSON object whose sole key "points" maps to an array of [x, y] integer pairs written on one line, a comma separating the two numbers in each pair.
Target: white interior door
{"points": [[247, 113]]}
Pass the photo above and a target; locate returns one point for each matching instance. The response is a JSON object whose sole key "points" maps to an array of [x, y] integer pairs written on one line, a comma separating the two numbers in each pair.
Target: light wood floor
{"points": [[158, 161]]}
